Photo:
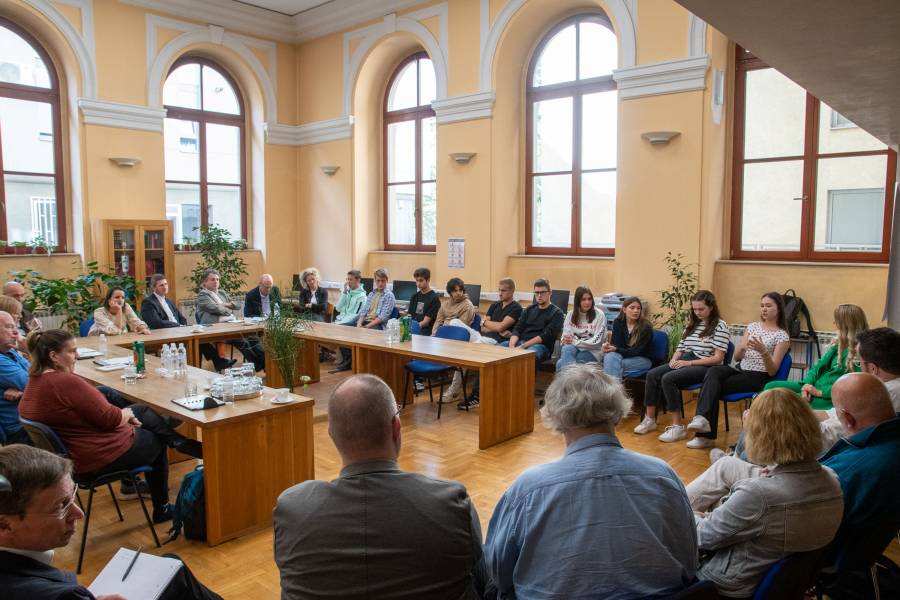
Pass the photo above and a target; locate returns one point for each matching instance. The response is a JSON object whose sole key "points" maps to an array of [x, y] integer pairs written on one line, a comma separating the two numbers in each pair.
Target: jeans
{"points": [[252, 350], [147, 449], [705, 492], [570, 354], [619, 367], [666, 381], [541, 350], [722, 380]]}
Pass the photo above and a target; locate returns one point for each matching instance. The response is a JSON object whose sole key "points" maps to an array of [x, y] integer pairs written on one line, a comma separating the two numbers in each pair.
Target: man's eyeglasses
{"points": [[63, 511], [541, 292]]}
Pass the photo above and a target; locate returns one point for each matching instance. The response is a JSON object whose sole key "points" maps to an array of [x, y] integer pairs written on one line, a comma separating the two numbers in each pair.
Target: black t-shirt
{"points": [[424, 305], [497, 312]]}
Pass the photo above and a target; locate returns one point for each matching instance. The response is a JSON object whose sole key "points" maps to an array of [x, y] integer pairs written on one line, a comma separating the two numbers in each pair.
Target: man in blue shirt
{"points": [[13, 379], [601, 522]]}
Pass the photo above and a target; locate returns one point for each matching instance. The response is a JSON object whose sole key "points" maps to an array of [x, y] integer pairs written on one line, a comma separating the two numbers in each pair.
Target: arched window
{"points": [[410, 151], [571, 161], [204, 145], [30, 144]]}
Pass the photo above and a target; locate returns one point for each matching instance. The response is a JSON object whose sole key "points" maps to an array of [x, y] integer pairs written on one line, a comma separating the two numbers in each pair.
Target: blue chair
{"points": [[781, 375], [729, 354], [659, 352], [414, 327], [428, 369], [395, 314], [476, 322], [46, 439], [790, 577], [85, 326]]}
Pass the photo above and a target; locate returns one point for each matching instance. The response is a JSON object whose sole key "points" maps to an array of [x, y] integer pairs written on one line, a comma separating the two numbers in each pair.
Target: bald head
{"points": [[15, 290], [265, 284], [362, 420], [861, 401]]}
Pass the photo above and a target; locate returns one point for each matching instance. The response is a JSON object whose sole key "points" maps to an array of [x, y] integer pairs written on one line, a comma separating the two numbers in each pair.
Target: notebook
{"points": [[88, 353], [118, 361], [147, 580]]}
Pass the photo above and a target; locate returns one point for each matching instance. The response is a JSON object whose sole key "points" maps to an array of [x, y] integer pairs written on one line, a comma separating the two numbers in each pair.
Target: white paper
{"points": [[456, 253], [147, 580], [88, 353]]}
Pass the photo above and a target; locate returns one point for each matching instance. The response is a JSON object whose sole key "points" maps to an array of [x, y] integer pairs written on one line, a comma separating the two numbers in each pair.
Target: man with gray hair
{"points": [[601, 522], [376, 531]]}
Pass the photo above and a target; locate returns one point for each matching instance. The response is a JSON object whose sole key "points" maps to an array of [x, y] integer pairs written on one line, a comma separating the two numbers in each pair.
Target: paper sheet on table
{"points": [[147, 580]]}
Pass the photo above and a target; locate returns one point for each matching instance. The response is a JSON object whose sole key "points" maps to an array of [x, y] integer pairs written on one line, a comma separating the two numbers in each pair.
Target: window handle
{"points": [[801, 198]]}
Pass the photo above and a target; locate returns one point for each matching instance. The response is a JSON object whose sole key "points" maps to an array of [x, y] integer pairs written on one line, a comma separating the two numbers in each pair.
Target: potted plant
{"points": [[20, 248], [219, 252], [283, 346], [675, 300]]}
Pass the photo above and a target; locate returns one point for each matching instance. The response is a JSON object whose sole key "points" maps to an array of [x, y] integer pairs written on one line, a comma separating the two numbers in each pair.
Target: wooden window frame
{"points": [[202, 117], [44, 95], [417, 113], [576, 90], [744, 63]]}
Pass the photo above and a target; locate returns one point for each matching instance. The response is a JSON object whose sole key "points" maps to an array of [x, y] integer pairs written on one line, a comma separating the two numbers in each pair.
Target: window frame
{"points": [[576, 89], [49, 96], [417, 113], [744, 63], [202, 117]]}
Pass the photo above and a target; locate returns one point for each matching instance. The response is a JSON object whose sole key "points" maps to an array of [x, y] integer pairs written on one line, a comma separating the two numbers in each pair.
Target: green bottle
{"points": [[406, 329], [138, 349]]}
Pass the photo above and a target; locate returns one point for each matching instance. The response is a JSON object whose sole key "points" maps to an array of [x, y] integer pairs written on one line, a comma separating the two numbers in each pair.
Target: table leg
{"points": [[387, 365], [248, 463], [193, 352], [307, 364], [507, 401]]}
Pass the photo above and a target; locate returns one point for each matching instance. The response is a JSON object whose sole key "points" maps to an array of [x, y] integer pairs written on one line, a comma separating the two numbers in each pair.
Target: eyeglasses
{"points": [[541, 292], [63, 511]]}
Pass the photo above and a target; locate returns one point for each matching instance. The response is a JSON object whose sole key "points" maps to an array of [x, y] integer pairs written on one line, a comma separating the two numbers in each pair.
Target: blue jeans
{"points": [[570, 354], [619, 367], [541, 350]]}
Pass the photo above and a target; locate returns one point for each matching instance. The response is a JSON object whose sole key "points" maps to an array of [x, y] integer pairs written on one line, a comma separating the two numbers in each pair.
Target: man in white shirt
{"points": [[157, 311]]}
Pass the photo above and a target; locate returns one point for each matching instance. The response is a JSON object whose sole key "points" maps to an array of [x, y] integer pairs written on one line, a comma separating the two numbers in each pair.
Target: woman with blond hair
{"points": [[764, 519], [815, 388], [313, 298]]}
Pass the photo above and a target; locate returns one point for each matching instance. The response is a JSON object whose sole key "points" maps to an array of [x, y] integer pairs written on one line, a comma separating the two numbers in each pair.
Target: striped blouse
{"points": [[706, 346]]}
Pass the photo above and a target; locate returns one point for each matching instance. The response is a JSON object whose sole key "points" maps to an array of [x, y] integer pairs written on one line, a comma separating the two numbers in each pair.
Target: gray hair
{"points": [[360, 412], [306, 273], [29, 471], [156, 278], [582, 395], [207, 273]]}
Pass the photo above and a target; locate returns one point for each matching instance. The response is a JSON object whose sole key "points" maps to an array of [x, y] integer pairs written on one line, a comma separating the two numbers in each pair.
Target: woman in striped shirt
{"points": [[703, 345]]}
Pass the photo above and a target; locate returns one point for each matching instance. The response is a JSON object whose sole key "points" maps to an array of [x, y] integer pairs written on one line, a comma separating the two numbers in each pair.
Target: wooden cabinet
{"points": [[141, 249]]}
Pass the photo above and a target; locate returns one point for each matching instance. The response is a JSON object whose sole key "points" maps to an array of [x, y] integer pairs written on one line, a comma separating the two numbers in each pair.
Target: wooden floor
{"points": [[446, 449]]}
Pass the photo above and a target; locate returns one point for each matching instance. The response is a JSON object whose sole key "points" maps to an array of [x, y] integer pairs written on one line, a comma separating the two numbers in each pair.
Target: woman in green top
{"points": [[815, 388]]}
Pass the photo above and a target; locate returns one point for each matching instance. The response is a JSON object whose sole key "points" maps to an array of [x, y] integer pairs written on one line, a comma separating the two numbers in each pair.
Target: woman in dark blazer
{"points": [[313, 298]]}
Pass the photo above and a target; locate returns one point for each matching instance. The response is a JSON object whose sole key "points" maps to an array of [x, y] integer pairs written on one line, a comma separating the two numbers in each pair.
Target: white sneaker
{"points": [[673, 433], [455, 389], [699, 424], [646, 426], [715, 454], [701, 442]]}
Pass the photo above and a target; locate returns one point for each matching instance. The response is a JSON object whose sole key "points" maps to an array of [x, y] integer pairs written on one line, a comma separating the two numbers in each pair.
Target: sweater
{"points": [[104, 322], [643, 346], [462, 309], [826, 372], [544, 322], [349, 304], [587, 336], [89, 426]]}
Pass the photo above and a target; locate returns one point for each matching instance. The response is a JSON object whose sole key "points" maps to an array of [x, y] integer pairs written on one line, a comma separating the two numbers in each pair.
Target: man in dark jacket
{"points": [[262, 300], [37, 515], [157, 311], [540, 324]]}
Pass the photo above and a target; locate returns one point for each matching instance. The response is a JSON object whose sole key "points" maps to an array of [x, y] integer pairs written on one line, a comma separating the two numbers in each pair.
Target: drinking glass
{"points": [[190, 388], [130, 374]]}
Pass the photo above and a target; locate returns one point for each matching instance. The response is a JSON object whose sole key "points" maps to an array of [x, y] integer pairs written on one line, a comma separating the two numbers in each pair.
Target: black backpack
{"points": [[189, 510], [794, 308]]}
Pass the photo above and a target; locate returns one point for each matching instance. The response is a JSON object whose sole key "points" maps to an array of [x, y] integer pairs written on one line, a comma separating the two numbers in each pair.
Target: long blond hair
{"points": [[781, 428], [850, 320]]}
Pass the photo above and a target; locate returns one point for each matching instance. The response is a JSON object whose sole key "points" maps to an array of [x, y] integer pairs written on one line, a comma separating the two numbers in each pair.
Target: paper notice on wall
{"points": [[456, 253]]}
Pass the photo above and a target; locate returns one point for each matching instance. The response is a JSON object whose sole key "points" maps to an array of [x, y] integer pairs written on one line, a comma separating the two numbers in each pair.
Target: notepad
{"points": [[88, 353], [118, 361], [147, 580]]}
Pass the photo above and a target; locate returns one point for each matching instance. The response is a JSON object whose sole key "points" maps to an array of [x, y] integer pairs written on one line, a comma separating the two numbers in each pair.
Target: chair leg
{"points": [[147, 516], [725, 408], [87, 521], [430, 390], [462, 375], [115, 501], [405, 390], [873, 573]]}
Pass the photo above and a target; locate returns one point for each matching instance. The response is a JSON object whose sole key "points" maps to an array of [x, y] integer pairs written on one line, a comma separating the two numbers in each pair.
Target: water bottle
{"points": [[165, 357], [181, 360], [228, 390], [102, 345]]}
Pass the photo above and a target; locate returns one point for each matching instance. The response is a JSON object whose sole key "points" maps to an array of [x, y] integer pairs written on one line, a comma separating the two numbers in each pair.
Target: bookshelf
{"points": [[141, 249]]}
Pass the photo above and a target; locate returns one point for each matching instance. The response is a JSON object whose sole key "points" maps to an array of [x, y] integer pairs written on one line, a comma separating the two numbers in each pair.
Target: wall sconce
{"points": [[329, 169], [462, 158], [660, 138], [123, 161]]}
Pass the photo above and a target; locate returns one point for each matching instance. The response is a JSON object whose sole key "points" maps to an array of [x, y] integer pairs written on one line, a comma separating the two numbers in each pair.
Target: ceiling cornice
{"points": [[339, 15]]}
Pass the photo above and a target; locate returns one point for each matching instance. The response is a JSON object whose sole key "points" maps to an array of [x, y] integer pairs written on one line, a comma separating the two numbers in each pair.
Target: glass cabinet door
{"points": [[124, 251], [154, 254]]}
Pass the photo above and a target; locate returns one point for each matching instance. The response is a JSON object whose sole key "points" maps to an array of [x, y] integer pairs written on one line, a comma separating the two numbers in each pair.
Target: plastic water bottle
{"points": [[101, 346], [166, 359], [181, 360], [228, 390]]}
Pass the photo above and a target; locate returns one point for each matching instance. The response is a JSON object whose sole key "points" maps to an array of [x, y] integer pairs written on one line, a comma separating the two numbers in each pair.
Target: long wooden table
{"points": [[507, 374], [252, 450]]}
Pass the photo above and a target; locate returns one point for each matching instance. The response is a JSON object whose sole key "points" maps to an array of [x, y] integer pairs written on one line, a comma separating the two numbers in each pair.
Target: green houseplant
{"points": [[675, 299], [283, 346], [218, 251]]}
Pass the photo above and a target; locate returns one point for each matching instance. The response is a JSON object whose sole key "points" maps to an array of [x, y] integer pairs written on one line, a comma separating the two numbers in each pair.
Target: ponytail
{"points": [[41, 344]]}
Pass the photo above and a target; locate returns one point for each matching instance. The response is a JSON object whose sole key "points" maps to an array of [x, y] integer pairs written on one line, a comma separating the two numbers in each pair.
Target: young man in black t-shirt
{"points": [[424, 304]]}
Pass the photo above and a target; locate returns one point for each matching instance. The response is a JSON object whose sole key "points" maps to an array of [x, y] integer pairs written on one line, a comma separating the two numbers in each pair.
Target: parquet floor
{"points": [[448, 449]]}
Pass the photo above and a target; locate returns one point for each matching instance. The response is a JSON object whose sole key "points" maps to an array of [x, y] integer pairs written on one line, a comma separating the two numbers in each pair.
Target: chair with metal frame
{"points": [[429, 369], [781, 375]]}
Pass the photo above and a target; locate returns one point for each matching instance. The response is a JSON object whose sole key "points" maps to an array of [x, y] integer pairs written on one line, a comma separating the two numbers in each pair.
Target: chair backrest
{"points": [[395, 314], [295, 283], [329, 312], [452, 332], [784, 369], [85, 326], [701, 590], [561, 299], [368, 284], [473, 291], [659, 347], [789, 578], [414, 327], [476, 322], [729, 354], [44, 438]]}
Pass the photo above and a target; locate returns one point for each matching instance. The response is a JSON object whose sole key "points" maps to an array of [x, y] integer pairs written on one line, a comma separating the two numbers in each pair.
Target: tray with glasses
{"points": [[244, 382]]}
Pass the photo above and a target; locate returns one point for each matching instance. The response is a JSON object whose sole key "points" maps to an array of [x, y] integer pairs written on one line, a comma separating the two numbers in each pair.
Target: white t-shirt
{"points": [[753, 360]]}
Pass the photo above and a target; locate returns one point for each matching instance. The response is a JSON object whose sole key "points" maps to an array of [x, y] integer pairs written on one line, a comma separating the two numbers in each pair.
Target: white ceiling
{"points": [[287, 7]]}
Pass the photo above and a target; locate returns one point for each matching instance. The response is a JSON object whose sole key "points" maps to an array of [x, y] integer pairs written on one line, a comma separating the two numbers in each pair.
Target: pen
{"points": [[133, 560]]}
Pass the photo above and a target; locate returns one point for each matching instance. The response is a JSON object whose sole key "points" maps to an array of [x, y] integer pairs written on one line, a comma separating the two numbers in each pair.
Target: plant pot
{"points": [[40, 250], [20, 250]]}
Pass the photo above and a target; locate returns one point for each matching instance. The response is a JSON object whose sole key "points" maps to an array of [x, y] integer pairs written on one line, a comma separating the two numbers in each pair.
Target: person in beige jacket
{"points": [[116, 317], [457, 307]]}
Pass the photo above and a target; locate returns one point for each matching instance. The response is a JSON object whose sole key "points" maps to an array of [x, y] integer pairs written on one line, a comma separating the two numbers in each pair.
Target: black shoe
{"points": [[127, 491], [474, 402], [222, 364], [187, 446], [344, 366], [163, 514]]}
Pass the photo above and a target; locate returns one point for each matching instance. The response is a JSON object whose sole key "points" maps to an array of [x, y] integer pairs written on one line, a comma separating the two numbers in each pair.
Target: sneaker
{"points": [[673, 433], [699, 424], [646, 426], [701, 442], [715, 454], [163, 514], [420, 386], [473, 402], [127, 491]]}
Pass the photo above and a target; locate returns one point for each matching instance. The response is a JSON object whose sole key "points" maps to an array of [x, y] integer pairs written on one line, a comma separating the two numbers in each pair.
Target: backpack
{"points": [[794, 308], [189, 510]]}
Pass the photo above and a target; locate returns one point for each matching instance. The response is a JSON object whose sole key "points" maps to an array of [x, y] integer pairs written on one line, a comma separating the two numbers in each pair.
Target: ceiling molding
{"points": [[467, 107], [228, 14], [666, 77], [341, 14], [696, 35], [125, 116], [310, 133]]}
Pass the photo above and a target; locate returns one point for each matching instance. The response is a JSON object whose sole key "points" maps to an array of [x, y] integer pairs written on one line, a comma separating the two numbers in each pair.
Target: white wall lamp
{"points": [[123, 161], [462, 158], [329, 169], [660, 138]]}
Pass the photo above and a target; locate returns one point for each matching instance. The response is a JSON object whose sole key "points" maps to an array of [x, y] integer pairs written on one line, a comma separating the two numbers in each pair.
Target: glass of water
{"points": [[130, 374], [190, 388]]}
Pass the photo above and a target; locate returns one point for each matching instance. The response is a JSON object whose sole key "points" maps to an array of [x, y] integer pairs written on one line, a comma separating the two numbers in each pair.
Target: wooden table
{"points": [[252, 450], [507, 374]]}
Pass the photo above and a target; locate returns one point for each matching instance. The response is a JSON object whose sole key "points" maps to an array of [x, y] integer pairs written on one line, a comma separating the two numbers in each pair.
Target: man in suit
{"points": [[158, 312], [27, 322], [214, 306], [264, 299], [376, 531], [37, 515]]}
